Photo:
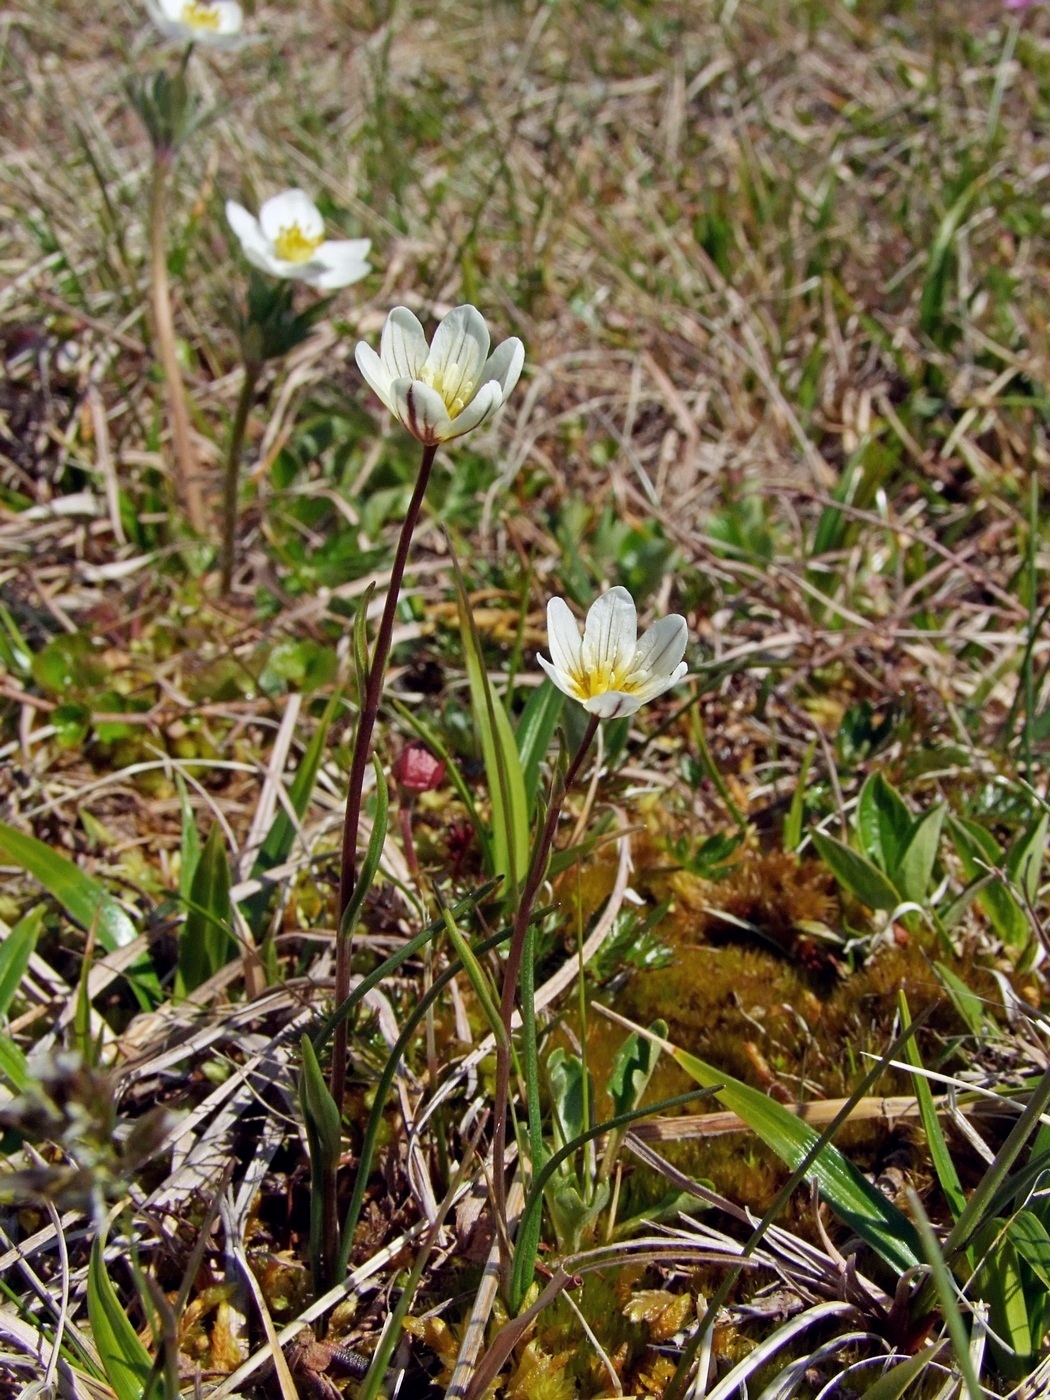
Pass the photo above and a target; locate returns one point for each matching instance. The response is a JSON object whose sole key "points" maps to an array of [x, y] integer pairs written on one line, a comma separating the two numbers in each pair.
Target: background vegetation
{"points": [[781, 275]]}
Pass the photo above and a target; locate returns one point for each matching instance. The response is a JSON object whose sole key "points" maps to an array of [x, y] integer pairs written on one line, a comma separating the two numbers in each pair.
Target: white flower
{"points": [[441, 391], [217, 23], [609, 669], [287, 240]]}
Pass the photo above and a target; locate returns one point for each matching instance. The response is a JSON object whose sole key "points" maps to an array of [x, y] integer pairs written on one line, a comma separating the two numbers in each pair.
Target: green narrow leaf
{"points": [[1000, 1283], [15, 952], [506, 782], [536, 727], [796, 812], [13, 1065], [125, 1360], [915, 866], [319, 1108], [571, 1094], [205, 942], [370, 864], [1029, 1237], [863, 1208], [893, 1384], [939, 1154], [190, 842], [968, 1004], [280, 838], [944, 1286], [1024, 860], [883, 823], [84, 900], [856, 873]]}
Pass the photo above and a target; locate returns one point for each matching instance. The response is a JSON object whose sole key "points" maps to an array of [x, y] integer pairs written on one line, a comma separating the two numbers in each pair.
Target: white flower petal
{"points": [[338, 264], [169, 11], [288, 208], [611, 633], [482, 406], [659, 683], [561, 680], [231, 18], [421, 410], [403, 347], [661, 648], [461, 343], [504, 366], [375, 372], [246, 227], [563, 637], [612, 704]]}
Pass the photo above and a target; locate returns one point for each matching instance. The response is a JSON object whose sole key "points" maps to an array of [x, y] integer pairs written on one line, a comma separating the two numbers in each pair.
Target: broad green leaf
{"points": [[536, 727], [84, 900], [1000, 1283], [914, 868], [856, 873], [883, 823], [1024, 860], [967, 1003], [572, 1095], [633, 1067], [978, 850], [894, 1382], [853, 1199], [125, 1360], [205, 942], [939, 1154], [15, 952], [506, 781]]}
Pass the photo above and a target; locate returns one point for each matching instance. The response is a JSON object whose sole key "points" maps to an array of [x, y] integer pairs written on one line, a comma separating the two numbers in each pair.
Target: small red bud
{"points": [[417, 770]]}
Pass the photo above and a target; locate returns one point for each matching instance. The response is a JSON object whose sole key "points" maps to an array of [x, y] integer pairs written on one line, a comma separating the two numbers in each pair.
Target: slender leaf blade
{"points": [[125, 1360], [854, 871], [15, 952], [866, 1210]]}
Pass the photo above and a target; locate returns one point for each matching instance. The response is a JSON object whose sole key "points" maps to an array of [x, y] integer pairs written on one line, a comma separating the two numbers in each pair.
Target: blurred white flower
{"points": [[287, 240], [441, 391], [610, 670], [217, 23]]}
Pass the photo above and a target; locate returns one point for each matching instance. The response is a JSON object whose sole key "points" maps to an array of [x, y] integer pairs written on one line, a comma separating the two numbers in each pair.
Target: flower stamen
{"points": [[436, 379], [294, 246], [200, 15]]}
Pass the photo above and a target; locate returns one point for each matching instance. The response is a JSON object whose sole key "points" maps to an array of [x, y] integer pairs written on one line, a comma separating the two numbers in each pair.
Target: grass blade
{"points": [[866, 1210], [85, 901], [205, 942], [125, 1360], [15, 952]]}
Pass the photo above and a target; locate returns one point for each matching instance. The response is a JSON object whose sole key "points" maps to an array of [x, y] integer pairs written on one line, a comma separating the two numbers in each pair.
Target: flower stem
{"points": [[512, 972], [186, 479], [252, 370], [359, 762]]}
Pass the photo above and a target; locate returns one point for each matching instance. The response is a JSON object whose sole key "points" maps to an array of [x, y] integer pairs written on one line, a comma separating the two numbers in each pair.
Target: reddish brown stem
{"points": [[512, 970], [362, 743]]}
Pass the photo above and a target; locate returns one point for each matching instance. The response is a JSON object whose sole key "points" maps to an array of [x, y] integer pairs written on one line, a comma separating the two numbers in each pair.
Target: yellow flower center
{"points": [[436, 380], [200, 16], [600, 681], [294, 246]]}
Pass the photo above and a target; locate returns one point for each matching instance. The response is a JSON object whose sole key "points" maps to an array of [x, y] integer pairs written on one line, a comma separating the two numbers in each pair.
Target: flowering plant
{"points": [[441, 390], [215, 23], [288, 240], [610, 670]]}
